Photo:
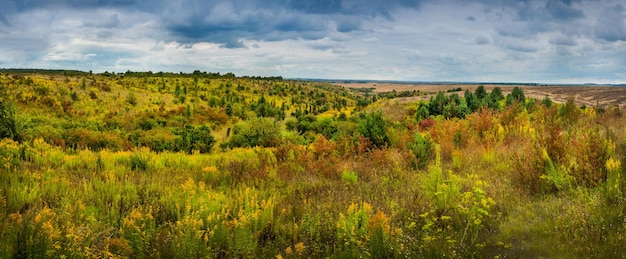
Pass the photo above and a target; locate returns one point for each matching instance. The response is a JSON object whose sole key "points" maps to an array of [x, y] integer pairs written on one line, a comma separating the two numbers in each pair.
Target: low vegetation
{"points": [[163, 165]]}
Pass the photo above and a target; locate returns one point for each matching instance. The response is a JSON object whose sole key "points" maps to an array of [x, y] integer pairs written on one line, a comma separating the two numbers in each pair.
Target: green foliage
{"points": [[454, 106], [613, 190], [131, 98], [422, 111], [264, 132], [496, 94], [109, 180], [374, 128], [138, 162], [480, 92], [556, 178], [443, 190], [423, 148], [195, 139], [518, 94], [263, 108], [349, 177], [8, 121], [569, 112], [546, 101]]}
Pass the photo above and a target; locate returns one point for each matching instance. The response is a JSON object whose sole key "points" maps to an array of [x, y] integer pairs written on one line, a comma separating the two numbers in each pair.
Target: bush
{"points": [[350, 177], [263, 132], [138, 162], [8, 125], [374, 128], [422, 148], [192, 138], [131, 98]]}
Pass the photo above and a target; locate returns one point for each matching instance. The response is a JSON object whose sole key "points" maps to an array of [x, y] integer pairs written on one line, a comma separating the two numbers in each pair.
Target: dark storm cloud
{"points": [[227, 23], [352, 7], [317, 6], [611, 26], [563, 10], [3, 20], [551, 11], [21, 5], [234, 25]]}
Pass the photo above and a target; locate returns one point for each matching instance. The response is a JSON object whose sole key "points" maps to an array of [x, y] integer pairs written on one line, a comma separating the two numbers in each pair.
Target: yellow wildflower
{"points": [[299, 247]]}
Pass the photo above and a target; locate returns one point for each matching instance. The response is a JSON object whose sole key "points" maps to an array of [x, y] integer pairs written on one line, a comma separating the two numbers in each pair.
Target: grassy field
{"points": [[143, 165]]}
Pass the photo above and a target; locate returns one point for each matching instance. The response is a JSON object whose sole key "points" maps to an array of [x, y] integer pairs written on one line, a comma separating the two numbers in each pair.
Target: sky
{"points": [[545, 41]]}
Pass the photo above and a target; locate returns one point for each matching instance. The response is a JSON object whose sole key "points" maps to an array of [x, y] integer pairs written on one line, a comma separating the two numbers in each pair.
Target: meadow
{"points": [[208, 165]]}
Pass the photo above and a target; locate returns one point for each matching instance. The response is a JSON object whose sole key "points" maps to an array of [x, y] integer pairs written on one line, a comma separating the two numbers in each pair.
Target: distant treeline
{"points": [[196, 73], [43, 71]]}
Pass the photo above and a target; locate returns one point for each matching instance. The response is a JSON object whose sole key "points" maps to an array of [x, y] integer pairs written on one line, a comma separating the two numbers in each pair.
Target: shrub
{"points": [[263, 132], [422, 111], [613, 191], [374, 128], [569, 112], [8, 124], [546, 101], [556, 178], [138, 162], [422, 148], [350, 177], [518, 94], [192, 138], [131, 98]]}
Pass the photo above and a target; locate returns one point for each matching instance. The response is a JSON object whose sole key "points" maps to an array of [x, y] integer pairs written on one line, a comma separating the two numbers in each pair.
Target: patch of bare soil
{"points": [[603, 96]]}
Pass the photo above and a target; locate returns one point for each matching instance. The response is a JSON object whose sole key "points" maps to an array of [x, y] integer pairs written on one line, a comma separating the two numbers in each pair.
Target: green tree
{"points": [[518, 94], [569, 112], [480, 92], [547, 102], [473, 104], [438, 104], [496, 94], [8, 122], [422, 111], [422, 148], [374, 128]]}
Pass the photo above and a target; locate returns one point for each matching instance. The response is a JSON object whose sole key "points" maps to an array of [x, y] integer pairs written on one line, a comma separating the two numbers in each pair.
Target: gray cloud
{"points": [[443, 40], [521, 47], [3, 20], [20, 5], [563, 10], [274, 20], [563, 40], [611, 25], [113, 22], [231, 26], [482, 40]]}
